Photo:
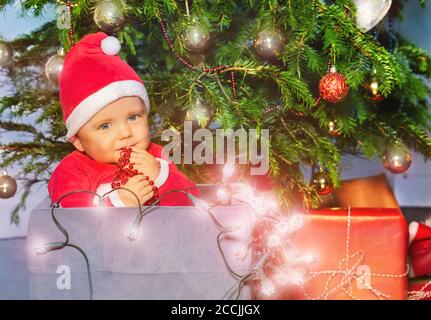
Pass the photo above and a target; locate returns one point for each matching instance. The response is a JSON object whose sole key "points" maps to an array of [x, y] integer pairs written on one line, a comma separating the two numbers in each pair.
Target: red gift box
{"points": [[420, 289], [359, 253]]}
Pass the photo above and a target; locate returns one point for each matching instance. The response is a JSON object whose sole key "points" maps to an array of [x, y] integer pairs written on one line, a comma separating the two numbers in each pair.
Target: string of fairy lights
{"points": [[226, 193], [275, 263]]}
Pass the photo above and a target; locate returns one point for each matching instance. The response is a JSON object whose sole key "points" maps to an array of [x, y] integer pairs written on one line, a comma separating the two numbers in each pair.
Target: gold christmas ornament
{"points": [[322, 182], [397, 158], [269, 44], [6, 54], [196, 39], [54, 65], [374, 90], [8, 186], [370, 12], [109, 15], [332, 128]]}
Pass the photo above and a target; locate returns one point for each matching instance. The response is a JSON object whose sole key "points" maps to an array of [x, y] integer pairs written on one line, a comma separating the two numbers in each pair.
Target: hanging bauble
{"points": [[224, 194], [374, 90], [6, 54], [370, 12], [8, 186], [332, 129], [196, 38], [397, 158], [322, 183], [269, 44], [109, 15], [333, 86], [54, 65], [200, 112]]}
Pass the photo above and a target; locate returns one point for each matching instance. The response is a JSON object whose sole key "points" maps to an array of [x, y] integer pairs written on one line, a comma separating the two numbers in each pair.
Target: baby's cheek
{"points": [[146, 142]]}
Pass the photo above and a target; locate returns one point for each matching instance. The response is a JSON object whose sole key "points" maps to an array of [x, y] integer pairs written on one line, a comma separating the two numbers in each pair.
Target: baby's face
{"points": [[123, 123]]}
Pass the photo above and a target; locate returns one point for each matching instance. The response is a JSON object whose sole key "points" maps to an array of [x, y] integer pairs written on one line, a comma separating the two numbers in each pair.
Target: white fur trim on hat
{"points": [[413, 231], [110, 46], [84, 111], [163, 174], [113, 196]]}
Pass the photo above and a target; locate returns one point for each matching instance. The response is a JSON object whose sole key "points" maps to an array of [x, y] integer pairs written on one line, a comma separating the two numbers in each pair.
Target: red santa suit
{"points": [[77, 171], [92, 77]]}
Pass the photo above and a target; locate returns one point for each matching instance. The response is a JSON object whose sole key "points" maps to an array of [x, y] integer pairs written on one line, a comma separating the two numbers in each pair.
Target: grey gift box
{"points": [[175, 256]]}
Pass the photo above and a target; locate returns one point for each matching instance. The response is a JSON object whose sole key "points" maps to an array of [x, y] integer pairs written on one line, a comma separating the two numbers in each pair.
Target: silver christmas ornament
{"points": [[54, 65], [269, 44], [397, 158], [109, 15], [370, 12], [196, 39], [200, 112], [6, 54]]}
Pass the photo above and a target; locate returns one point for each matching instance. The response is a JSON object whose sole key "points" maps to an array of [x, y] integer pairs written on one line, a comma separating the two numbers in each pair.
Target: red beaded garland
{"points": [[70, 31], [125, 171], [190, 66], [232, 77], [333, 87]]}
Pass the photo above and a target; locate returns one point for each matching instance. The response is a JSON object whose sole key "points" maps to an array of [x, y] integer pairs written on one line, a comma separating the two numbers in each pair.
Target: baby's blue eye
{"points": [[133, 117], [104, 126]]}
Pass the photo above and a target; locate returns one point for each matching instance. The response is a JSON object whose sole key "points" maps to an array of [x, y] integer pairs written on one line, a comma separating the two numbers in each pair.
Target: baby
{"points": [[105, 109]]}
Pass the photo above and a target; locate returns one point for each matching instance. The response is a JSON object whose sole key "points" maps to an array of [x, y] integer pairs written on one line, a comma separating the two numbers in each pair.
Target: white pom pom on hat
{"points": [[110, 46]]}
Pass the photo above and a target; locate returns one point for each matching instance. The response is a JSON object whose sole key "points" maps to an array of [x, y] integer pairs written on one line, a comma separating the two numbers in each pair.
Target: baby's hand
{"points": [[140, 186], [144, 162]]}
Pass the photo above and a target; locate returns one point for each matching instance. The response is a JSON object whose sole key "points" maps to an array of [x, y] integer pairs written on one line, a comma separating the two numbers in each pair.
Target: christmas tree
{"points": [[325, 77]]}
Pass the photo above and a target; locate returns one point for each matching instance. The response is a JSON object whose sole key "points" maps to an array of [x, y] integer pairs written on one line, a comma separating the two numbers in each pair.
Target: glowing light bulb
{"points": [[267, 288], [232, 228], [307, 258], [273, 241], [242, 251], [228, 170], [374, 86], [272, 204], [296, 221], [281, 277], [200, 204], [133, 232], [41, 250], [283, 226], [295, 277], [224, 195]]}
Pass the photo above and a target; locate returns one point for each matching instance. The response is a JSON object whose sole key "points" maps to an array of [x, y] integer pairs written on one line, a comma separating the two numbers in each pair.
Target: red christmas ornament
{"points": [[333, 86]]}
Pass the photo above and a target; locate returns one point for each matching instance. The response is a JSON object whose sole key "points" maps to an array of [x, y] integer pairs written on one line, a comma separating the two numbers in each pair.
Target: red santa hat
{"points": [[94, 76]]}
